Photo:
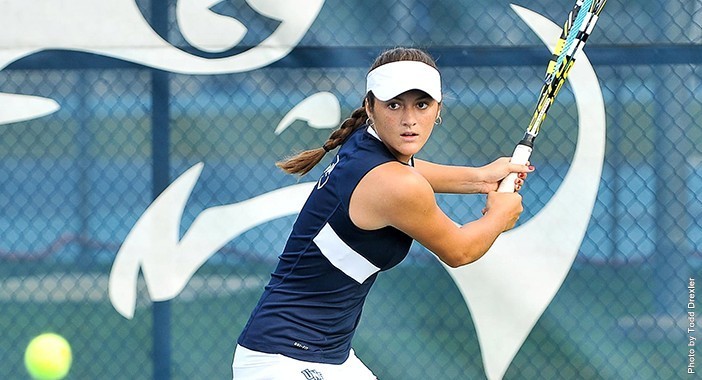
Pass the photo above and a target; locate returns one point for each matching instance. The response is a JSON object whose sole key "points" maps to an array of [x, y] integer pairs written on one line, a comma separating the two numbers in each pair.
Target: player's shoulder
{"points": [[392, 194], [399, 179]]}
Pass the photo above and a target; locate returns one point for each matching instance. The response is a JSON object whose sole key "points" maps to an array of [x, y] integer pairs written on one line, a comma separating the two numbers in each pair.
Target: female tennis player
{"points": [[372, 200]]}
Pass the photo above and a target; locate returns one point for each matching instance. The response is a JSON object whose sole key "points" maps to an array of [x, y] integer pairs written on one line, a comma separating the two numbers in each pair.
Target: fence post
{"points": [[160, 144], [84, 137]]}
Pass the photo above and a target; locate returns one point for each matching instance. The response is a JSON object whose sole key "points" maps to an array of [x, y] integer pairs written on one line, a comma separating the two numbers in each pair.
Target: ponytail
{"points": [[303, 162]]}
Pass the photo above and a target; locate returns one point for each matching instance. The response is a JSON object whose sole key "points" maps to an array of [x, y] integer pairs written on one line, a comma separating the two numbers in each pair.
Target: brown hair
{"points": [[303, 162]]}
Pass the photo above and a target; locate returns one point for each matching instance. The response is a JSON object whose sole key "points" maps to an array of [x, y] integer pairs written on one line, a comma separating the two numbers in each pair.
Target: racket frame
{"points": [[576, 30]]}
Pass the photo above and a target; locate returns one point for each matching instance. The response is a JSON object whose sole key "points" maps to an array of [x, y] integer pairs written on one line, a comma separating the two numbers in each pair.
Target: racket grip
{"points": [[520, 156]]}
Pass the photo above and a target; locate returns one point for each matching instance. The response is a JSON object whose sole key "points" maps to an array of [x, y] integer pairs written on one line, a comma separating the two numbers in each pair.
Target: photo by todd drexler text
{"points": [[691, 326]]}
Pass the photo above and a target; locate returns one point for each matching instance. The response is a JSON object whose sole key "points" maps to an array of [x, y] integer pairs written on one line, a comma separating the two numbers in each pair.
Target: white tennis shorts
{"points": [[254, 365]]}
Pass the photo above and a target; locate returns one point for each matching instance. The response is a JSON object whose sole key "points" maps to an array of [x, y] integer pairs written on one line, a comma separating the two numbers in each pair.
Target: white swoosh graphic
{"points": [[167, 263], [15, 108], [321, 110], [116, 28], [196, 22], [509, 288]]}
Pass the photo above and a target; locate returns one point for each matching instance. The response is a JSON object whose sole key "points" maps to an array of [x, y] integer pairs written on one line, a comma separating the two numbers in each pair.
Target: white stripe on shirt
{"points": [[352, 263]]}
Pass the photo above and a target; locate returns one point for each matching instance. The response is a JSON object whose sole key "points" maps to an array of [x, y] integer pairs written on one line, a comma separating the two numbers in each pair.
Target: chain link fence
{"points": [[75, 183]]}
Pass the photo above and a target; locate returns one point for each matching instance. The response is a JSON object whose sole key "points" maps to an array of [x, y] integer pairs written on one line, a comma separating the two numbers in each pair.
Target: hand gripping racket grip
{"points": [[520, 156]]}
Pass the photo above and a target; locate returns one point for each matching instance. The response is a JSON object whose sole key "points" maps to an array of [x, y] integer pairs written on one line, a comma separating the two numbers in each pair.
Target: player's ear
{"points": [[369, 109]]}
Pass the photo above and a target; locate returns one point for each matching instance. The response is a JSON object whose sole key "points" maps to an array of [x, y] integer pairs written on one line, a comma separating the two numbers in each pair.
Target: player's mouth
{"points": [[409, 135]]}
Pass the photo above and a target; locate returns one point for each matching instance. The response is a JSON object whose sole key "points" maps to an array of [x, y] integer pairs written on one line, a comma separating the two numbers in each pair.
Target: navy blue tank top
{"points": [[312, 305]]}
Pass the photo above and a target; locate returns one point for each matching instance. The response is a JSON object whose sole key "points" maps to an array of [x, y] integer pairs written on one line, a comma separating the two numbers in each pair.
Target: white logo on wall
{"points": [[117, 28], [506, 291]]}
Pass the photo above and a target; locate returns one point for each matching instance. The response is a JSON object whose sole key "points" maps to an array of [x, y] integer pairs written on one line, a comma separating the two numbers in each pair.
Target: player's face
{"points": [[405, 122]]}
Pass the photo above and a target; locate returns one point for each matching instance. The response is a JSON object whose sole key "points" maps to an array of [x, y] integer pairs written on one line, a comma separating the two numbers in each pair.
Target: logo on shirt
{"points": [[327, 172], [312, 374]]}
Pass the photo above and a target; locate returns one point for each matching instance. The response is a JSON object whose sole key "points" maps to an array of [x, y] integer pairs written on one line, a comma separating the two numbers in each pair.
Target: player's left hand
{"points": [[495, 171]]}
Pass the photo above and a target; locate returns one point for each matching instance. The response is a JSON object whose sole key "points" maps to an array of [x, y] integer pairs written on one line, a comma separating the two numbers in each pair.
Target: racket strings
{"points": [[576, 30]]}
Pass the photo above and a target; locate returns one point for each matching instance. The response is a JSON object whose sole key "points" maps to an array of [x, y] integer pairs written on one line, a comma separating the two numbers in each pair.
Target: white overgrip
{"points": [[520, 156]]}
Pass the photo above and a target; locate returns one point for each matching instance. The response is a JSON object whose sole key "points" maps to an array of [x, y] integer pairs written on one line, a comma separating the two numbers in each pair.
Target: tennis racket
{"points": [[581, 20]]}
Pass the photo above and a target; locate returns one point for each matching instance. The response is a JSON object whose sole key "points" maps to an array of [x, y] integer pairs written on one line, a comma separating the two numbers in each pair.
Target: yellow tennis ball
{"points": [[48, 357]]}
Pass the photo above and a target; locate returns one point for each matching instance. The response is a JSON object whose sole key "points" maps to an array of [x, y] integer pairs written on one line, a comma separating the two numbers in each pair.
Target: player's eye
{"points": [[422, 105], [393, 105]]}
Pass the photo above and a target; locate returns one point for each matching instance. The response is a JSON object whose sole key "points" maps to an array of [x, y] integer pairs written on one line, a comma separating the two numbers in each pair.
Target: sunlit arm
{"points": [[469, 180], [451, 179], [394, 195]]}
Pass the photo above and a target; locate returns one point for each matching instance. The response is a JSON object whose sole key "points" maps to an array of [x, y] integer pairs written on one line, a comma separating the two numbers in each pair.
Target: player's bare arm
{"points": [[397, 195], [471, 180]]}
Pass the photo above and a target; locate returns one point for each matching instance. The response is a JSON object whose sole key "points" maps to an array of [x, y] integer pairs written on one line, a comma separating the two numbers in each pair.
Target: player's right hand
{"points": [[505, 206]]}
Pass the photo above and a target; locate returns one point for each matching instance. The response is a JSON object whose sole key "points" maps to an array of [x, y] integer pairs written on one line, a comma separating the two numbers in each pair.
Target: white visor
{"points": [[392, 79]]}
